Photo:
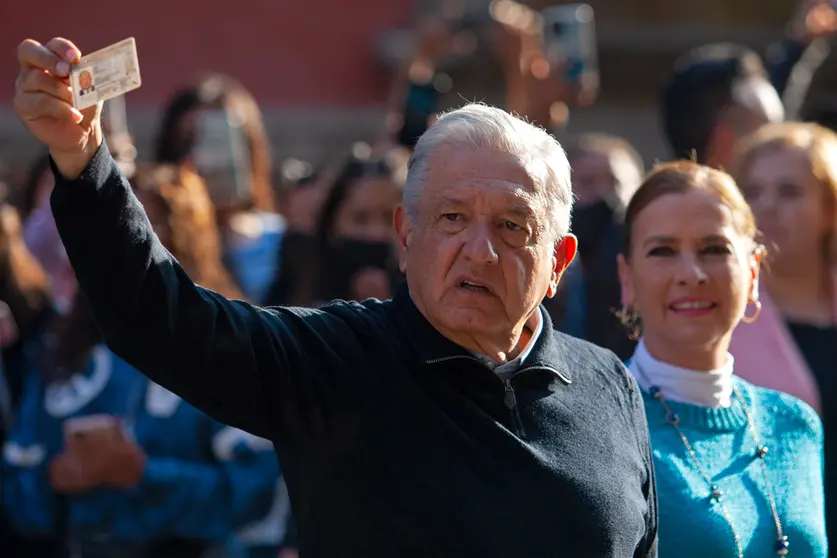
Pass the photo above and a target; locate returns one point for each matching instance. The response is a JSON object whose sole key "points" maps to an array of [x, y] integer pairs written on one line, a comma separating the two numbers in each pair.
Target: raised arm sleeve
{"points": [[247, 367]]}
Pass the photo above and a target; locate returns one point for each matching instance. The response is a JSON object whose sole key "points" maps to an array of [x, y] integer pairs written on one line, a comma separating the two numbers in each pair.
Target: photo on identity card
{"points": [[105, 74]]}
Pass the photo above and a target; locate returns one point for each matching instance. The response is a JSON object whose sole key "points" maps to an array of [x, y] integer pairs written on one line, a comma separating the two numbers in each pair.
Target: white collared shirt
{"points": [[507, 369]]}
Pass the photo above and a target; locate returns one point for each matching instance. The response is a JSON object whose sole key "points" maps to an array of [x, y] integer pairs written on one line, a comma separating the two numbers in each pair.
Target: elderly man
{"points": [[450, 421]]}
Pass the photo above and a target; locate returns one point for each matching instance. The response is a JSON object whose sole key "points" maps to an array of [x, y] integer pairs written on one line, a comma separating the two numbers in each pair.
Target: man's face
{"points": [[482, 252], [85, 80]]}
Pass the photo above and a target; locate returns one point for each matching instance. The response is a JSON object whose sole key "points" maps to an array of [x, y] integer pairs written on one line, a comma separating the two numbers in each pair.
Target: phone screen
{"points": [[221, 157], [421, 103], [570, 40]]}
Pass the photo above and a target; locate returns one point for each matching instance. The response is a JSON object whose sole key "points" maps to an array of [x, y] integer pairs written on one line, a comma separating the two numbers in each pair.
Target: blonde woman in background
{"points": [[788, 174]]}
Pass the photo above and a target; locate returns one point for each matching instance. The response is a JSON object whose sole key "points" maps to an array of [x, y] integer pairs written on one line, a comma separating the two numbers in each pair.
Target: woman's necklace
{"points": [[716, 494]]}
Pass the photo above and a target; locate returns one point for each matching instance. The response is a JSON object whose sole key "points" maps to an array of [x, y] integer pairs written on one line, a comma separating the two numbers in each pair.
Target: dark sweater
{"points": [[394, 441]]}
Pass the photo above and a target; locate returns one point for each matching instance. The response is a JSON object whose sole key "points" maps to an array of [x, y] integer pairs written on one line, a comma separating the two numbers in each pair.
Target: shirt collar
{"points": [[535, 323], [542, 350]]}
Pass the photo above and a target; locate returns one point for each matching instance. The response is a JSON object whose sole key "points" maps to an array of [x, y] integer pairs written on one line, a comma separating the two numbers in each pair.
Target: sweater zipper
{"points": [[511, 402]]}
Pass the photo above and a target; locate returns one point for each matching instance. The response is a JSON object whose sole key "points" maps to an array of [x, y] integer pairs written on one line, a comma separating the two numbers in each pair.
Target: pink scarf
{"points": [[766, 355]]}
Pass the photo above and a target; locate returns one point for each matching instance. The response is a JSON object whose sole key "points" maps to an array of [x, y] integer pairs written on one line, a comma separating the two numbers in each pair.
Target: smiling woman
{"points": [[689, 271]]}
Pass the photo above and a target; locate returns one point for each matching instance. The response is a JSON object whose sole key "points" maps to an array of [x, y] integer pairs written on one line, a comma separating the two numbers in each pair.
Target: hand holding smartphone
{"points": [[81, 430], [569, 37]]}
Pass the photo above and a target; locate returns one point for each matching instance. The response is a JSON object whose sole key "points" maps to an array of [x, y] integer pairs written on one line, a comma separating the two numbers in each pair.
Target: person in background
{"points": [[24, 311], [39, 230], [301, 196], [720, 93], [354, 241], [457, 391], [182, 215], [607, 170], [160, 478], [716, 95], [41, 236], [788, 174], [251, 230], [739, 468]]}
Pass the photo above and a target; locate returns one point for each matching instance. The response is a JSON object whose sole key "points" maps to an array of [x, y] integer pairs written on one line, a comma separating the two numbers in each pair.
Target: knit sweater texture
{"points": [[691, 524]]}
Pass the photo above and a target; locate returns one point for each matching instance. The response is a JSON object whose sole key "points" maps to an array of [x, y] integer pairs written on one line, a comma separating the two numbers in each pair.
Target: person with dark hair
{"points": [[245, 207], [25, 310], [716, 95], [147, 475], [719, 93], [351, 255], [301, 195], [606, 172]]}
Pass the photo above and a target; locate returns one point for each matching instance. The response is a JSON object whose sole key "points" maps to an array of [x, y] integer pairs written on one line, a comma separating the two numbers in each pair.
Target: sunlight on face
{"points": [[690, 272], [481, 256], [787, 201]]}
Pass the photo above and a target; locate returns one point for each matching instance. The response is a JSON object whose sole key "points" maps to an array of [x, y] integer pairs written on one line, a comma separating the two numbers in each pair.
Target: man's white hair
{"points": [[482, 126]]}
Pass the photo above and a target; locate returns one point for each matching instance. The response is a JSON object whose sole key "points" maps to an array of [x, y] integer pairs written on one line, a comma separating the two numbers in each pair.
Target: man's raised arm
{"points": [[235, 362]]}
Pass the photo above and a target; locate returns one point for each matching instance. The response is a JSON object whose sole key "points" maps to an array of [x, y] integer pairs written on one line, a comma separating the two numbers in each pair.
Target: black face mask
{"points": [[346, 257], [590, 223]]}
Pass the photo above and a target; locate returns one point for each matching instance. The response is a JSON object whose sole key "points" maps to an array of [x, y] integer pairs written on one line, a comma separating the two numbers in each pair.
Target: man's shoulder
{"points": [[594, 366], [585, 352], [349, 313]]}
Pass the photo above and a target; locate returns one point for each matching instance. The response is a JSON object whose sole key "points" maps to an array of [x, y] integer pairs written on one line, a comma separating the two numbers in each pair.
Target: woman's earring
{"points": [[750, 319]]}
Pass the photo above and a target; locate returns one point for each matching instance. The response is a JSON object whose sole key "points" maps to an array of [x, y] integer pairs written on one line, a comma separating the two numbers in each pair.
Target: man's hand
{"points": [[44, 101]]}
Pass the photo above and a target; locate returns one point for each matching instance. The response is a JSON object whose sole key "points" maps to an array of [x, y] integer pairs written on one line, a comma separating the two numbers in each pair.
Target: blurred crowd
{"points": [[92, 449]]}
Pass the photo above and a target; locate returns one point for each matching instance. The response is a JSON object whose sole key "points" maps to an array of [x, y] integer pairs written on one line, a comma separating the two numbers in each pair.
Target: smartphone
{"points": [[221, 157], [569, 36], [90, 425], [348, 257], [421, 102]]}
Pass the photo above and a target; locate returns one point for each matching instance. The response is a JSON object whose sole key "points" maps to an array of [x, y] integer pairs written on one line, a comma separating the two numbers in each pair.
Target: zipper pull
{"points": [[510, 398]]}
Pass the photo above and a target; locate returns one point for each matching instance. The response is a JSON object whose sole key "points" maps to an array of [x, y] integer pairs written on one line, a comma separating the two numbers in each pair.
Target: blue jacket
{"points": [[202, 479]]}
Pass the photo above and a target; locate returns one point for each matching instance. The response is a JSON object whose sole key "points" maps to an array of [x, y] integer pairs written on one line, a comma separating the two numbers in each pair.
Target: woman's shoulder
{"points": [[784, 411]]}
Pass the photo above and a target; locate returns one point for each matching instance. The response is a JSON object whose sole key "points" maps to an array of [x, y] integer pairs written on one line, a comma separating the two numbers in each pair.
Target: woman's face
{"points": [[690, 273], [788, 203], [366, 213]]}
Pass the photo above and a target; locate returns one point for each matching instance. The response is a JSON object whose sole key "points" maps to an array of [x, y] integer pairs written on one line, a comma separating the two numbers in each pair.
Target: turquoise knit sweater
{"points": [[693, 527]]}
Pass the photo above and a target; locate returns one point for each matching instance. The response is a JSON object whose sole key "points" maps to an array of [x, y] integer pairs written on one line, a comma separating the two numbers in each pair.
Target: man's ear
{"points": [[562, 257], [404, 233]]}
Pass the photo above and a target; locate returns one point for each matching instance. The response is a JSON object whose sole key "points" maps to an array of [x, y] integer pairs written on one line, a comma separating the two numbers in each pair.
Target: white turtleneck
{"points": [[711, 388]]}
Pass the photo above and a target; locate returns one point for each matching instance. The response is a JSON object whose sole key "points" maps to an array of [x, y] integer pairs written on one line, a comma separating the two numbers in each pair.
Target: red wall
{"points": [[289, 53]]}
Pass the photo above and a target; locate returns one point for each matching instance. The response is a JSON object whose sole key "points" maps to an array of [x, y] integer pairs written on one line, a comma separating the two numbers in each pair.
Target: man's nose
{"points": [[480, 247]]}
